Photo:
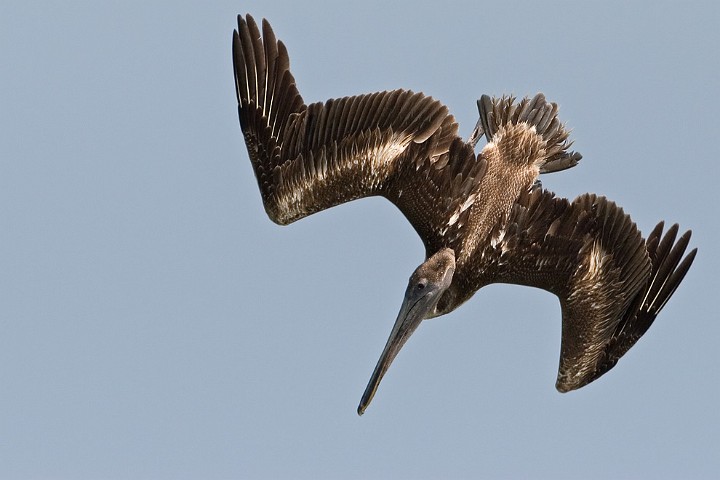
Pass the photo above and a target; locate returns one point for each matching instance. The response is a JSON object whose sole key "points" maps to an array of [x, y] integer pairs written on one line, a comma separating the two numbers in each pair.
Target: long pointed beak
{"points": [[412, 312]]}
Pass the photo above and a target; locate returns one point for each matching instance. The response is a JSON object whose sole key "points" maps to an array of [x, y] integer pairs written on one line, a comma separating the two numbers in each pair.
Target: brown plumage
{"points": [[483, 218]]}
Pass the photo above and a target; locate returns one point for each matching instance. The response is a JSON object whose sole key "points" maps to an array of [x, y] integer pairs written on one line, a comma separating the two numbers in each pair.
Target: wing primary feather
{"points": [[663, 249], [668, 265], [271, 55], [249, 59], [678, 275], [259, 58]]}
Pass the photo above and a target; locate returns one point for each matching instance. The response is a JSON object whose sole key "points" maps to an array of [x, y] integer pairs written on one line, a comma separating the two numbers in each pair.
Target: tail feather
{"points": [[536, 112]]}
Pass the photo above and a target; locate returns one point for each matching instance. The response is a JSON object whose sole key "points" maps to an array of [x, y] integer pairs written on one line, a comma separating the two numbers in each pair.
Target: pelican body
{"points": [[483, 218]]}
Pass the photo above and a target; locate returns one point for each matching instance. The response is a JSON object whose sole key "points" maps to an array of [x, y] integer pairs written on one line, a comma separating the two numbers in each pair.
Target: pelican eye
{"points": [[421, 284]]}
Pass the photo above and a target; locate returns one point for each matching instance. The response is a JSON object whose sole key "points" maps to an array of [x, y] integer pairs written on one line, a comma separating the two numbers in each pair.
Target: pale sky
{"points": [[154, 323]]}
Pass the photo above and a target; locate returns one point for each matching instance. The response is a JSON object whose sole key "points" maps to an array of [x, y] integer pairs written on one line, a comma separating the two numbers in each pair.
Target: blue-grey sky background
{"points": [[155, 324]]}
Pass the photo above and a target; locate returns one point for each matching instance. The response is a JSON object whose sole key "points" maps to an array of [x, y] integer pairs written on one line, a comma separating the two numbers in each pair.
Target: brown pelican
{"points": [[483, 218]]}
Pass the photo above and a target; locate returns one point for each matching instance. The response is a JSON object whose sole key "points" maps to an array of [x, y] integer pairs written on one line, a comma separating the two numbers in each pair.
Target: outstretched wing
{"points": [[311, 157], [611, 283]]}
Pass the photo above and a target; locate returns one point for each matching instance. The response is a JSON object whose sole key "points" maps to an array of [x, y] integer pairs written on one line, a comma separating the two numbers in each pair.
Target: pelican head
{"points": [[427, 284]]}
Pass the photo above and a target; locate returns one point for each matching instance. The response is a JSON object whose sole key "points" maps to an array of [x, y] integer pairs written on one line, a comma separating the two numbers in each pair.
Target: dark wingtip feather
{"points": [[668, 271], [679, 270]]}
